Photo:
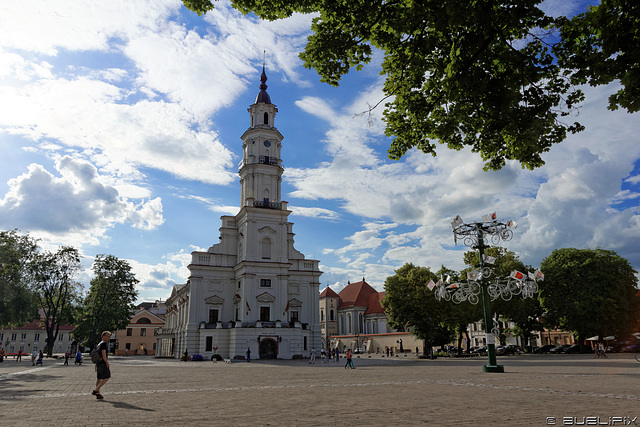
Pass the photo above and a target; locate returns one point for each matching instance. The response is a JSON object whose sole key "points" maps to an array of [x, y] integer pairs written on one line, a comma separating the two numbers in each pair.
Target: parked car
{"points": [[559, 348], [544, 349], [480, 350], [572, 349], [512, 349], [500, 350]]}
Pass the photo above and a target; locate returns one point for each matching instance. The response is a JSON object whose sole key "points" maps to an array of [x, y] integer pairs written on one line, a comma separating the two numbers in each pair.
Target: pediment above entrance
{"points": [[267, 229], [295, 303], [265, 297], [214, 299]]}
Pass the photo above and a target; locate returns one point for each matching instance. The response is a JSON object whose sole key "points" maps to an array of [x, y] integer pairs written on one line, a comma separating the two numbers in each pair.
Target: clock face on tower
{"points": [[267, 143]]}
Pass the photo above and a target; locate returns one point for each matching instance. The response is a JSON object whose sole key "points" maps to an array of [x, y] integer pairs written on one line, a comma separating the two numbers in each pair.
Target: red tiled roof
{"points": [[374, 303], [356, 295], [328, 292]]}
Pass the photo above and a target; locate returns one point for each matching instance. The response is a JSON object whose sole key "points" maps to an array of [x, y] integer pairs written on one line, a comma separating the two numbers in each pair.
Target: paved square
{"points": [[380, 391]]}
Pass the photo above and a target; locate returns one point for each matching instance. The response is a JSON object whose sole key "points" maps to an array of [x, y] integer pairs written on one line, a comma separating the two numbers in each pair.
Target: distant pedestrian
{"points": [[19, 356], [34, 356], [312, 356], [248, 354], [185, 355], [337, 355], [103, 373], [417, 350], [126, 352], [67, 354], [323, 353], [2, 353], [78, 360], [40, 359], [349, 360]]}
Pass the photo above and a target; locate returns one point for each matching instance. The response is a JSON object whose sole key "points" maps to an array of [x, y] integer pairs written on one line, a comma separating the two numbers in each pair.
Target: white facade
{"points": [[253, 289]]}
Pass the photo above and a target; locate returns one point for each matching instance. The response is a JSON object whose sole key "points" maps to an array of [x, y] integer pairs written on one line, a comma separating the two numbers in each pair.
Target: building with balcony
{"points": [[253, 289]]}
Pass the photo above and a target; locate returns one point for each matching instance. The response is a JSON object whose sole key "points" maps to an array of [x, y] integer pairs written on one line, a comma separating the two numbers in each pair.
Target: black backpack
{"points": [[96, 354]]}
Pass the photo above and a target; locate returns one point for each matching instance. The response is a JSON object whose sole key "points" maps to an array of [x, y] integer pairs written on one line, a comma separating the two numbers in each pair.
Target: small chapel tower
{"points": [[253, 289]]}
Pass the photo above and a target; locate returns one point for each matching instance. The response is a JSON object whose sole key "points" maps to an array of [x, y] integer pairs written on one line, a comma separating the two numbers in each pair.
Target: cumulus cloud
{"points": [[575, 200], [75, 204]]}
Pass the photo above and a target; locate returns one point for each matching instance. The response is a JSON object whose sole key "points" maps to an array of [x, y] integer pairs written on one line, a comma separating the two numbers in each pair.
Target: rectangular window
{"points": [[143, 332], [23, 336], [265, 283], [305, 343], [294, 316], [213, 315], [154, 346], [129, 332], [1, 337], [237, 314], [209, 344], [60, 337], [128, 346], [36, 337], [13, 337], [265, 314]]}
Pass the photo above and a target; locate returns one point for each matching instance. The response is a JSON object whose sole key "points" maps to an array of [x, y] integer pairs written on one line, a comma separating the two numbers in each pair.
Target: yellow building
{"points": [[138, 339]]}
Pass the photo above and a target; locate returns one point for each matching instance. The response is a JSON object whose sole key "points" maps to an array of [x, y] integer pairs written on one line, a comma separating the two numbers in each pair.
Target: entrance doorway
{"points": [[268, 349]]}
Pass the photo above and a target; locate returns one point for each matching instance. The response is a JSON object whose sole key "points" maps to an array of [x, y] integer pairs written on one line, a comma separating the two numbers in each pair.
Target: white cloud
{"points": [[314, 212], [75, 207]]}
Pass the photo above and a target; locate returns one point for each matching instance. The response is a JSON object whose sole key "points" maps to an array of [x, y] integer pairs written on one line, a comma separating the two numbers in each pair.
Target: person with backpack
{"points": [[99, 357]]}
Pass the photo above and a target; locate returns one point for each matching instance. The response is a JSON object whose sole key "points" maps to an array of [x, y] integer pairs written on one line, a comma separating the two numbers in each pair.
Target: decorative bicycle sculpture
{"points": [[479, 286]]}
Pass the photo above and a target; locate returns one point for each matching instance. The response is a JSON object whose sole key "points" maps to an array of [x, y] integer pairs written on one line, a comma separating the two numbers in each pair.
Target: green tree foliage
{"points": [[55, 290], [411, 305], [17, 302], [524, 312], [109, 304], [471, 72], [590, 292]]}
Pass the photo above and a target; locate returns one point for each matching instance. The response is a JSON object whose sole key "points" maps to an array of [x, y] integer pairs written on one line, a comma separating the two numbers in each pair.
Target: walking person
{"points": [[312, 356], [103, 373], [78, 358], [349, 360], [185, 355], [248, 354], [19, 356], [67, 354], [40, 359], [34, 356], [337, 355]]}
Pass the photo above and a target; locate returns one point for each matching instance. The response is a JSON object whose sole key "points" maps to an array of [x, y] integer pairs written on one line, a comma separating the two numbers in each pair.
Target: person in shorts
{"points": [[102, 367]]}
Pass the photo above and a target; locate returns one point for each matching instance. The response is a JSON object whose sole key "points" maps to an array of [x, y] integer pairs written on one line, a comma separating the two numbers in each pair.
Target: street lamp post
{"points": [[477, 286]]}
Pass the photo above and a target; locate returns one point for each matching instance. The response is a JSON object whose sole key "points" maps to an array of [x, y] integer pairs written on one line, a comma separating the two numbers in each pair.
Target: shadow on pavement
{"points": [[123, 405]]}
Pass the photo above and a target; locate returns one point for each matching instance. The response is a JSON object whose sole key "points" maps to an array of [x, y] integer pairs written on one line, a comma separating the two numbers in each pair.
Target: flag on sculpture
{"points": [[457, 222], [512, 224], [493, 215], [431, 285], [539, 275], [486, 218], [531, 275], [248, 308], [488, 259], [515, 274], [448, 279], [472, 275]]}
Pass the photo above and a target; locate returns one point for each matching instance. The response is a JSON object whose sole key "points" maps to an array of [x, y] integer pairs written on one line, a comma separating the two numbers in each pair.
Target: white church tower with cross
{"points": [[251, 290]]}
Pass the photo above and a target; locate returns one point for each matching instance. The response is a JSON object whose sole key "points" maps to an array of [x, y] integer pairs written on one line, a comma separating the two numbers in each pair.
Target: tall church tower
{"points": [[252, 290]]}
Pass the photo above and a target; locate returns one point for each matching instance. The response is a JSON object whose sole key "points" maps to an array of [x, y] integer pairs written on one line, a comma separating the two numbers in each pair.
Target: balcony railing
{"points": [[267, 204]]}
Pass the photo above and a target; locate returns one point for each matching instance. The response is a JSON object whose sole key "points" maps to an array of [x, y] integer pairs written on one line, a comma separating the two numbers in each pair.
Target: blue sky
{"points": [[120, 127]]}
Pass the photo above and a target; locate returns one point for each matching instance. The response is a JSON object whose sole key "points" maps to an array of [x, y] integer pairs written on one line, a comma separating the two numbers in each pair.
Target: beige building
{"points": [[139, 336], [33, 336]]}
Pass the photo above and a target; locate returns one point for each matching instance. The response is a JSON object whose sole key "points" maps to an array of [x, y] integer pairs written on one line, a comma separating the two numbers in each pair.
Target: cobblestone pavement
{"points": [[380, 391]]}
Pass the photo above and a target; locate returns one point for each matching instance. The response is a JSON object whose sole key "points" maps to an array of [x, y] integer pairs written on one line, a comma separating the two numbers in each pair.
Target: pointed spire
{"points": [[263, 96]]}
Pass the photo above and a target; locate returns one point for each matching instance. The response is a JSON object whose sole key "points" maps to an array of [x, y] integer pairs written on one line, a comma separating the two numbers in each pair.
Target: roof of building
{"points": [[356, 294], [375, 307], [329, 293], [39, 325]]}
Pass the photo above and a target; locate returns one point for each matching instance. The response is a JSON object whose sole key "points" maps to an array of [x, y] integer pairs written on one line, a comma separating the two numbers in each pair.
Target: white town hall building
{"points": [[253, 289]]}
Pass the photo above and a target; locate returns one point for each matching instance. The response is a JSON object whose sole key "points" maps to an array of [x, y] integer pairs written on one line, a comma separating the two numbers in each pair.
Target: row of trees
{"points": [[587, 292], [36, 284]]}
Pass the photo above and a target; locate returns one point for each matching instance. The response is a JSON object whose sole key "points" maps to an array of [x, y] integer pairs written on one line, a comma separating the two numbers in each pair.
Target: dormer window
{"points": [[266, 118]]}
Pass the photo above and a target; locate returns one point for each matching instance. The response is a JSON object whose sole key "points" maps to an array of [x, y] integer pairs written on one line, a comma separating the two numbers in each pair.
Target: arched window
{"points": [[331, 315], [348, 323], [266, 248], [266, 118], [143, 320]]}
